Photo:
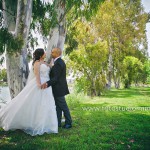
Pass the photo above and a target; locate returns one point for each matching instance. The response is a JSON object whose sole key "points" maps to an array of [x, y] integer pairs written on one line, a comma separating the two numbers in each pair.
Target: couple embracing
{"points": [[38, 108]]}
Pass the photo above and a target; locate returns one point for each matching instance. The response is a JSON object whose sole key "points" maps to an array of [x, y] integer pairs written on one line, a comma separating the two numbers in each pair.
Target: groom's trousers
{"points": [[61, 106]]}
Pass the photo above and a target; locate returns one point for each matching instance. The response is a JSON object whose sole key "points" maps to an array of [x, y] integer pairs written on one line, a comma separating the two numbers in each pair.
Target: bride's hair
{"points": [[38, 53]]}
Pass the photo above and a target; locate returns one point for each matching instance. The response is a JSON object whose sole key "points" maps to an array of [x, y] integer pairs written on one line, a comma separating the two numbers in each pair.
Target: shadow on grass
{"points": [[116, 130], [126, 93], [99, 129], [145, 91], [91, 130]]}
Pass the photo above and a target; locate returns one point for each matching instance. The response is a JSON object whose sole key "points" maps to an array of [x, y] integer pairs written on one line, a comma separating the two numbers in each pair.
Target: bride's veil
{"points": [[31, 75]]}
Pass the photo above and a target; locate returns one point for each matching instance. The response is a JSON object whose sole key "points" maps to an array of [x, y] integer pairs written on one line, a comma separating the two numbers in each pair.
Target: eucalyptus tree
{"points": [[88, 60], [122, 25], [14, 34], [54, 21], [49, 18]]}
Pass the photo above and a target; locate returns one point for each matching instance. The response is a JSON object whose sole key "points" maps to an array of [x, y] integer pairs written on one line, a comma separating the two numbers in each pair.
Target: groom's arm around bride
{"points": [[59, 87]]}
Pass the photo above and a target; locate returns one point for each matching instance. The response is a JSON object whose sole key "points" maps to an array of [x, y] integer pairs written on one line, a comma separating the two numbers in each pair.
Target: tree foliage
{"points": [[146, 72], [45, 14], [12, 43], [89, 67], [121, 25], [7, 39], [124, 30], [89, 60], [133, 70], [3, 75]]}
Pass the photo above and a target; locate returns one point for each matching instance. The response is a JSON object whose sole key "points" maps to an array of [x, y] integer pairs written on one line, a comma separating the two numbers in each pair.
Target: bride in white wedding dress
{"points": [[33, 109]]}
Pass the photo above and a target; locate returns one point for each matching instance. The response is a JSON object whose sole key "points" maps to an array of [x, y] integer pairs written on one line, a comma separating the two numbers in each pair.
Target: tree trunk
{"points": [[57, 34], [9, 15], [16, 62], [117, 81], [17, 72], [110, 64]]}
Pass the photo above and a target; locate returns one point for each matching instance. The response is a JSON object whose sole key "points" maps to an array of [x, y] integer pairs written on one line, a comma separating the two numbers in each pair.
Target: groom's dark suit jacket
{"points": [[58, 79]]}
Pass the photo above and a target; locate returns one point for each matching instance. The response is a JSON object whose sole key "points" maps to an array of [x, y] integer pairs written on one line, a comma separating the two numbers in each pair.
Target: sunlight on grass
{"points": [[94, 129], [134, 97]]}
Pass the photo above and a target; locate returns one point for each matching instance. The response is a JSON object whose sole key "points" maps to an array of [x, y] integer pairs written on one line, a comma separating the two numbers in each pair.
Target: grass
{"points": [[94, 128]]}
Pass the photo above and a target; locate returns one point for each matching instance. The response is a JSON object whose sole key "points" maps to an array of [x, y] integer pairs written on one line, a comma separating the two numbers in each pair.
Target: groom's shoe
{"points": [[67, 126]]}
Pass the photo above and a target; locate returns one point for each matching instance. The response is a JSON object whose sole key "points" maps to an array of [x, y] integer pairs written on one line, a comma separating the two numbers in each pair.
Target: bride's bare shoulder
{"points": [[36, 63]]}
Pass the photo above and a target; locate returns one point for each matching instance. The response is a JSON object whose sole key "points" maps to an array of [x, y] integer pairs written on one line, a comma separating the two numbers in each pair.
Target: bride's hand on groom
{"points": [[44, 86]]}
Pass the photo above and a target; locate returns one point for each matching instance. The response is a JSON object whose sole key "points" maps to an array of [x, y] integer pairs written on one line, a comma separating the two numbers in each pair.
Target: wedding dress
{"points": [[33, 109]]}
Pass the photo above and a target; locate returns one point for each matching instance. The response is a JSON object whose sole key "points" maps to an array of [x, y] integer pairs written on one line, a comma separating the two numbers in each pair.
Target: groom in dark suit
{"points": [[59, 87]]}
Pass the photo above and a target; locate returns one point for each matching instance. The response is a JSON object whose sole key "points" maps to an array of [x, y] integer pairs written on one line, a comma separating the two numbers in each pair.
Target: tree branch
{"points": [[9, 12], [65, 14]]}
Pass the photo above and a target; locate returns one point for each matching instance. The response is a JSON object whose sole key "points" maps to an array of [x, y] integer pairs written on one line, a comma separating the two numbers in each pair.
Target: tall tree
{"points": [[50, 18], [17, 19], [124, 30], [89, 59], [56, 16]]}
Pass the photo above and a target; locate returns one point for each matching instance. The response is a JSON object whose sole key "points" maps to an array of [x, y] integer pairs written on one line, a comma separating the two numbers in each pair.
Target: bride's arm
{"points": [[37, 73]]}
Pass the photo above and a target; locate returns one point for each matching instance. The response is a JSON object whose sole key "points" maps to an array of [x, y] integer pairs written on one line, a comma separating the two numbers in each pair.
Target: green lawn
{"points": [[97, 124]]}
